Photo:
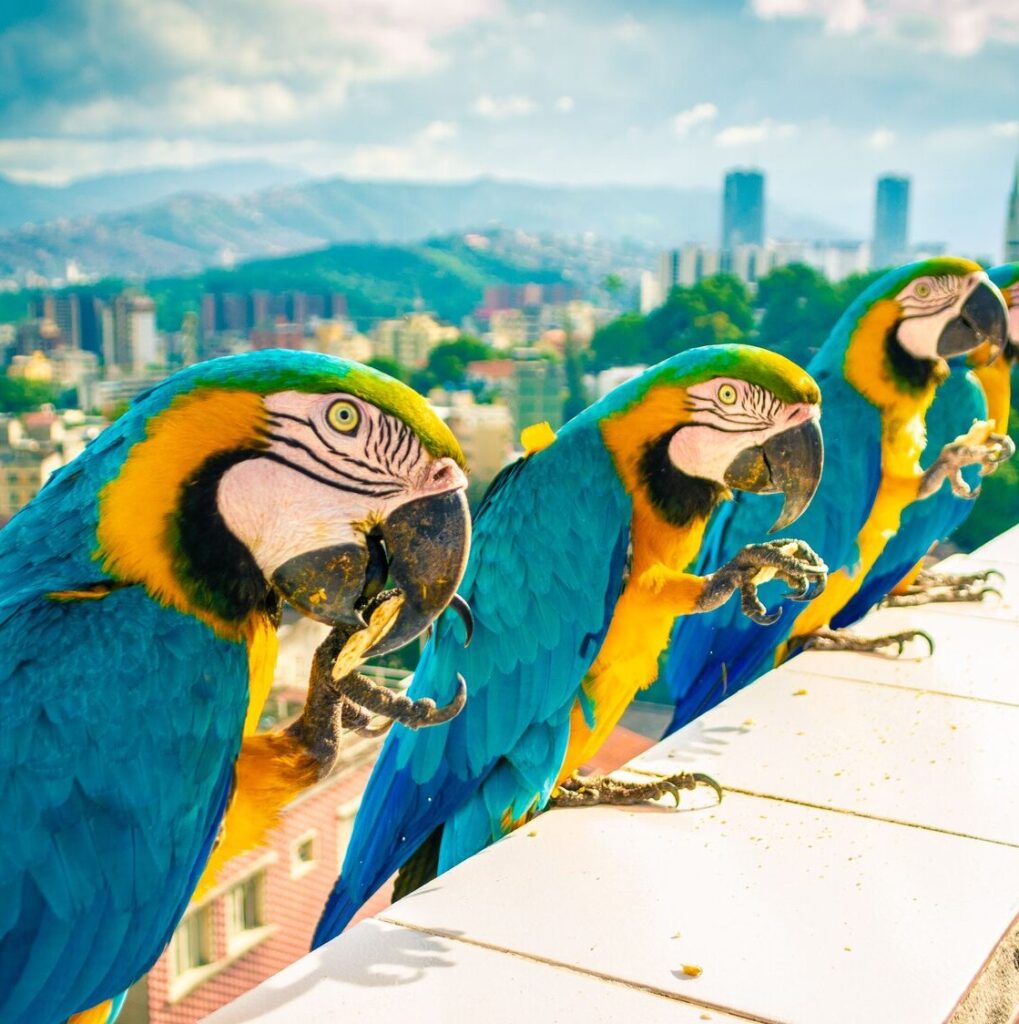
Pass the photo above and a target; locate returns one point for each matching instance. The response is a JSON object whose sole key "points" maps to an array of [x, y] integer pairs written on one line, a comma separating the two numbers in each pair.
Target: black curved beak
{"points": [[421, 548], [983, 317], [790, 463]]}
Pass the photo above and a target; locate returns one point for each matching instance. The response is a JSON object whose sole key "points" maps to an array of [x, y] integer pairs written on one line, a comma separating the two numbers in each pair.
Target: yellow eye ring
{"points": [[344, 417], [922, 290], [727, 394]]}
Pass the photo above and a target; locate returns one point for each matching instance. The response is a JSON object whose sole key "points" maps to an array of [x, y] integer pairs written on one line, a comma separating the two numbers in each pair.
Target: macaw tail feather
{"points": [[420, 868], [339, 911]]}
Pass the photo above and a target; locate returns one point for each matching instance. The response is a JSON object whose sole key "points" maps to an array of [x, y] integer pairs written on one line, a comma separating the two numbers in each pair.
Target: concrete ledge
{"points": [[862, 869]]}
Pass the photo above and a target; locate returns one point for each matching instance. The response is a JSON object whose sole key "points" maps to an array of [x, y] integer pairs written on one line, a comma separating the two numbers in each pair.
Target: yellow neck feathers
{"points": [[137, 508]]}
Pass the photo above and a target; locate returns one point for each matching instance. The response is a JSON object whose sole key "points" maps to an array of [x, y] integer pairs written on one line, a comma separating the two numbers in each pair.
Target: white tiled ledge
{"points": [[862, 869]]}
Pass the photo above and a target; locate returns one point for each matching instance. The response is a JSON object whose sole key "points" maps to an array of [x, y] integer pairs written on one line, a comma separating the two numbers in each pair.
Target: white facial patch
{"points": [[278, 513], [334, 463], [727, 417], [929, 304], [1013, 314]]}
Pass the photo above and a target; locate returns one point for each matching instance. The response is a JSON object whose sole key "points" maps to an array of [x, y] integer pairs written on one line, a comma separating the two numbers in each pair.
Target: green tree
{"points": [[390, 366], [714, 311], [622, 342], [447, 362], [18, 395], [576, 395], [800, 307]]}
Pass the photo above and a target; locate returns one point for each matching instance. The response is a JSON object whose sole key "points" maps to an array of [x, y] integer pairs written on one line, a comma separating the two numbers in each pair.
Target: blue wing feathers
{"points": [[542, 591], [714, 654], [105, 825], [959, 401]]}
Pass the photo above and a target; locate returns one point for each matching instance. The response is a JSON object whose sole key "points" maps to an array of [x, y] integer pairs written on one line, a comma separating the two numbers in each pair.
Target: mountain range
{"points": [[214, 222]]}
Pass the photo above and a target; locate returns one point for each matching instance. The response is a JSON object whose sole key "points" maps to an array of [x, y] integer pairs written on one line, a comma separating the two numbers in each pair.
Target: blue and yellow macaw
{"points": [[979, 389], [577, 571], [878, 371], [140, 597]]}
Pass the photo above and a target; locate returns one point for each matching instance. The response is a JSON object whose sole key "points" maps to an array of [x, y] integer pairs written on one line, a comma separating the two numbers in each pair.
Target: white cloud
{"points": [[1006, 129], [499, 108], [881, 138], [438, 131], [748, 134], [699, 113], [959, 27], [564, 105], [174, 67]]}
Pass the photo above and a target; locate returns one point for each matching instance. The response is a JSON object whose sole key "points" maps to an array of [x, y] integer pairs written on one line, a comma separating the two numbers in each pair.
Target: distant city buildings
{"points": [[33, 446], [516, 316], [485, 433], [408, 340], [742, 209], [1012, 220], [890, 245], [692, 263], [240, 312]]}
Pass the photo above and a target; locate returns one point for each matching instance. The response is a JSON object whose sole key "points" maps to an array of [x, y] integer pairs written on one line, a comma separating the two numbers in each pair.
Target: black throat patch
{"points": [[216, 568], [678, 498], [912, 374]]}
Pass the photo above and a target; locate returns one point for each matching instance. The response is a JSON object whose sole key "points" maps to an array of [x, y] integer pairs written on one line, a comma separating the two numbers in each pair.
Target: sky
{"points": [[824, 95]]}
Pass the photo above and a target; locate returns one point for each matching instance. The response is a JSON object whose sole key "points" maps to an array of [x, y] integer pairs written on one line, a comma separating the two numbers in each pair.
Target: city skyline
{"points": [[651, 93]]}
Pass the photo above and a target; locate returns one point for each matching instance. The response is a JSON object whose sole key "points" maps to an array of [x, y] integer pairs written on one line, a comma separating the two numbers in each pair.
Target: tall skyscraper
{"points": [[1012, 221], [891, 222], [743, 209]]}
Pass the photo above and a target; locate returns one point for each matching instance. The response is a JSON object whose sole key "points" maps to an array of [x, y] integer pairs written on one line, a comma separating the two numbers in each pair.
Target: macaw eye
{"points": [[922, 290], [343, 417], [727, 394]]}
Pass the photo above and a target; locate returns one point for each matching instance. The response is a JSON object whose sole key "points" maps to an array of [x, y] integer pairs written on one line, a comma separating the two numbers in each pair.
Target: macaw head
{"points": [[293, 475], [718, 418], [898, 335]]}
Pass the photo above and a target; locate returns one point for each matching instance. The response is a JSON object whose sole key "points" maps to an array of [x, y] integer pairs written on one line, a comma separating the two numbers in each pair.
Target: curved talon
{"points": [[707, 780], [463, 609], [921, 634], [981, 594]]}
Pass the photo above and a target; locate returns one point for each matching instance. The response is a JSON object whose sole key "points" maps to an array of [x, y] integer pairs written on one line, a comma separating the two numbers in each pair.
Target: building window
{"points": [[303, 853], [192, 945], [245, 913]]}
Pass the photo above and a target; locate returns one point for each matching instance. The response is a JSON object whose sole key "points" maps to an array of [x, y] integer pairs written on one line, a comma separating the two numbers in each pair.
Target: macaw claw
{"points": [[944, 588], [589, 790], [840, 640], [965, 451], [341, 697], [792, 561]]}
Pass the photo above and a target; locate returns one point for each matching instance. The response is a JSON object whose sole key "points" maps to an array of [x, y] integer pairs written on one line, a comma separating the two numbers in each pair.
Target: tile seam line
{"points": [[813, 674], [577, 969], [836, 810]]}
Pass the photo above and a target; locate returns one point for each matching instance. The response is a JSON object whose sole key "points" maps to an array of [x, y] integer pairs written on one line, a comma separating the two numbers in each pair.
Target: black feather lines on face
{"points": [[215, 568], [677, 497]]}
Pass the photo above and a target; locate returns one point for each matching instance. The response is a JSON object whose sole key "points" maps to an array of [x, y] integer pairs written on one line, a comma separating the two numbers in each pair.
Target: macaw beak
{"points": [[790, 463], [983, 317], [421, 548]]}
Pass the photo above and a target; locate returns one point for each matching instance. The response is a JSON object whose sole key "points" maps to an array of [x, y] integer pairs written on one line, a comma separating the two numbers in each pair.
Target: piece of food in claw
{"points": [[979, 433], [767, 573], [353, 654]]}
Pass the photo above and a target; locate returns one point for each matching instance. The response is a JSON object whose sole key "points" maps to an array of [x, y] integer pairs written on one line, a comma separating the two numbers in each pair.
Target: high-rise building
{"points": [[743, 209], [135, 341], [64, 311], [1012, 221], [891, 222]]}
